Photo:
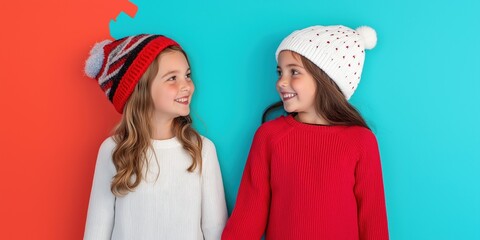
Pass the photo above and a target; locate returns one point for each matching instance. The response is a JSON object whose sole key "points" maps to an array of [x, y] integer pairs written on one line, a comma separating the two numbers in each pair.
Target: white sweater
{"points": [[177, 205]]}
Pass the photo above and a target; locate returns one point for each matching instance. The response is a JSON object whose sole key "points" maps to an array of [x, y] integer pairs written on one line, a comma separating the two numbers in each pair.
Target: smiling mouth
{"points": [[288, 96], [182, 100]]}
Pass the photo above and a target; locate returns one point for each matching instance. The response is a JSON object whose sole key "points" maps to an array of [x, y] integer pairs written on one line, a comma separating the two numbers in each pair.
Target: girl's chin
{"points": [[184, 114], [289, 109]]}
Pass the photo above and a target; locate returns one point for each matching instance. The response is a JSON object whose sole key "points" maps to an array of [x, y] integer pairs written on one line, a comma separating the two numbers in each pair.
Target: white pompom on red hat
{"points": [[95, 60]]}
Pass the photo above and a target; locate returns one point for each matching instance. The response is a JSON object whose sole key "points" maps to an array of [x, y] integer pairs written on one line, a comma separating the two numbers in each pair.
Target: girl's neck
{"points": [[311, 118], [162, 129]]}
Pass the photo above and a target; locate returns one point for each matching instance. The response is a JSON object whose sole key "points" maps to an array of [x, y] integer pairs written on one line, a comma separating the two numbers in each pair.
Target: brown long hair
{"points": [[133, 134], [330, 103]]}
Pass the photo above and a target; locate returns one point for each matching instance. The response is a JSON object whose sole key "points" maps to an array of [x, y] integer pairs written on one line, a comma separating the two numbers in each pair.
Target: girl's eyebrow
{"points": [[174, 71], [292, 65], [170, 72]]}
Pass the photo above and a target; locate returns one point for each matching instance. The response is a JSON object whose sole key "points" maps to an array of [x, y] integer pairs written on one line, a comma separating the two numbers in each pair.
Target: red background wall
{"points": [[53, 117]]}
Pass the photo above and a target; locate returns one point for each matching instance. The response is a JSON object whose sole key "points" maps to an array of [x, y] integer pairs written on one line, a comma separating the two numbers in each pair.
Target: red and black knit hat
{"points": [[118, 65]]}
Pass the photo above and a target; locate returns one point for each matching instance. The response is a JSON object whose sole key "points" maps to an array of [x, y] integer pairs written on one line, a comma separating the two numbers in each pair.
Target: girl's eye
{"points": [[172, 78], [294, 72], [189, 76], [279, 73]]}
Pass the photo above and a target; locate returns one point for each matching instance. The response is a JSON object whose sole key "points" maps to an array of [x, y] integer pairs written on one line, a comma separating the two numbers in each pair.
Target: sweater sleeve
{"points": [[100, 216], [369, 192], [214, 209], [249, 217]]}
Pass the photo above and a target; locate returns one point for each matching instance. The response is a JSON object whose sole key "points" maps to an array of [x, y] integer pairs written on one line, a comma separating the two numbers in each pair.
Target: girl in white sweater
{"points": [[156, 177]]}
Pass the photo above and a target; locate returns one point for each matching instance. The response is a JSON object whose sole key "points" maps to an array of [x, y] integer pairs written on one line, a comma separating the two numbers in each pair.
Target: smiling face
{"points": [[297, 87], [172, 88]]}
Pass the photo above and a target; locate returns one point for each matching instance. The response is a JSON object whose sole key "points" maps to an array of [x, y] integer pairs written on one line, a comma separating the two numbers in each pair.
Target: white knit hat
{"points": [[338, 50]]}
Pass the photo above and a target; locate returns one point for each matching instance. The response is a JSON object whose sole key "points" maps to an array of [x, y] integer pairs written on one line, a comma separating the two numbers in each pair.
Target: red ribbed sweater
{"points": [[305, 181]]}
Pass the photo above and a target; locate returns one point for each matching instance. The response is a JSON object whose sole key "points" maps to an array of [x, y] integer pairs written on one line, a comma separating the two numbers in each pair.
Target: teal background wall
{"points": [[419, 92]]}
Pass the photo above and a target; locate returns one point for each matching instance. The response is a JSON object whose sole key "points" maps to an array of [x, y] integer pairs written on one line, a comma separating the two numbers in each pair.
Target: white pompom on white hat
{"points": [[369, 36], [95, 60]]}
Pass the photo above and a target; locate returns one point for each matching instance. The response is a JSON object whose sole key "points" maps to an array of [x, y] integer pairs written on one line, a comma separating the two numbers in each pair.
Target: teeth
{"points": [[181, 99], [289, 95]]}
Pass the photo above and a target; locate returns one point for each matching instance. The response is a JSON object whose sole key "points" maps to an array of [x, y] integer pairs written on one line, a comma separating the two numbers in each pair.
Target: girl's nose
{"points": [[282, 82], [185, 87]]}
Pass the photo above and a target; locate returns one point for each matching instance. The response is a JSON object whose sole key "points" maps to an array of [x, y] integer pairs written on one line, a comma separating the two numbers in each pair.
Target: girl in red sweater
{"points": [[315, 173]]}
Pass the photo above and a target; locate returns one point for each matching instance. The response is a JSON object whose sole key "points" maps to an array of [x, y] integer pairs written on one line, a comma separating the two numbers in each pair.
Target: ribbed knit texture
{"points": [[305, 181], [137, 68], [177, 205]]}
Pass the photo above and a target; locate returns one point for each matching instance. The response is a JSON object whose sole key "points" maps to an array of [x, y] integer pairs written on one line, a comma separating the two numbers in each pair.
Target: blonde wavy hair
{"points": [[133, 134]]}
